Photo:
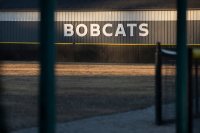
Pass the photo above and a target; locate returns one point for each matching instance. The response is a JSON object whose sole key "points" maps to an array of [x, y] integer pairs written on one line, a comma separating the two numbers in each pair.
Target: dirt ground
{"points": [[83, 90]]}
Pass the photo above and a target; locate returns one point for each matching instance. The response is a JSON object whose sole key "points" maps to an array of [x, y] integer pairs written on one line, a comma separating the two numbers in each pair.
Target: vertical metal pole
{"points": [[182, 61], [158, 84], [47, 61], [196, 87], [190, 90]]}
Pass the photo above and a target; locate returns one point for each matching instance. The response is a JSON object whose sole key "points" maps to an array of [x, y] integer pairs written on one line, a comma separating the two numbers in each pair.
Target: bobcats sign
{"points": [[108, 30]]}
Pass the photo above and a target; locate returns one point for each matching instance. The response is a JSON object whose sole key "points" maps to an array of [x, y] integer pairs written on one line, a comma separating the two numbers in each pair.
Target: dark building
{"points": [[96, 30]]}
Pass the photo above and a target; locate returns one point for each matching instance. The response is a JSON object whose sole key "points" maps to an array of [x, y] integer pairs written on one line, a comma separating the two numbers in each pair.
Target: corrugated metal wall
{"points": [[22, 28]]}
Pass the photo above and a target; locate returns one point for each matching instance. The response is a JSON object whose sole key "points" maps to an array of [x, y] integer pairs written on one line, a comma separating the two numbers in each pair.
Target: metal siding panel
{"points": [[168, 29], [69, 17], [152, 36], [99, 38], [60, 26], [146, 38], [122, 39], [189, 28], [116, 23], [65, 39], [75, 24], [195, 32], [170, 40], [150, 28], [87, 39], [165, 28], [156, 32], [174, 32], [157, 28], [160, 29], [140, 17], [144, 17], [135, 39], [193, 28], [197, 40], [162, 36]]}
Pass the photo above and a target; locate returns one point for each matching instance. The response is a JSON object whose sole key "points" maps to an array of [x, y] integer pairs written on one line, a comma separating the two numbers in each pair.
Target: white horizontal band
{"points": [[102, 16], [169, 52]]}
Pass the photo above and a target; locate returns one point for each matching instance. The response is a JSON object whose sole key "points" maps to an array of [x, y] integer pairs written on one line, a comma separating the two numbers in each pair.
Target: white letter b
{"points": [[68, 30]]}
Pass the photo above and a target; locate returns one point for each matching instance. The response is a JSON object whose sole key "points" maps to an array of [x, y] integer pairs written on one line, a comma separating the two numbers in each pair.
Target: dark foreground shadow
{"points": [[3, 127]]}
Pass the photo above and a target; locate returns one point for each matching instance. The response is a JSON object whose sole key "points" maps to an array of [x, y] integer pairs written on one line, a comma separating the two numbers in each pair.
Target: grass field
{"points": [[83, 90]]}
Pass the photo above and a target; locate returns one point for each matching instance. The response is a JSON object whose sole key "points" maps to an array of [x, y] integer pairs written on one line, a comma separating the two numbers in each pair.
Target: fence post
{"points": [[196, 87], [182, 77], [158, 84], [190, 90], [47, 61]]}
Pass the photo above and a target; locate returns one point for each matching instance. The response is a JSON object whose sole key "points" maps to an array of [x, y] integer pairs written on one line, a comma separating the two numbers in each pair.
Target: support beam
{"points": [[47, 60], [182, 67], [158, 84]]}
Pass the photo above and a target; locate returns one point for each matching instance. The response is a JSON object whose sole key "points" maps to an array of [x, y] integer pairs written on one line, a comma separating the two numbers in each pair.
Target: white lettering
{"points": [[94, 30], [120, 30], [84, 30], [131, 28], [143, 27], [107, 30], [104, 30], [68, 30]]}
